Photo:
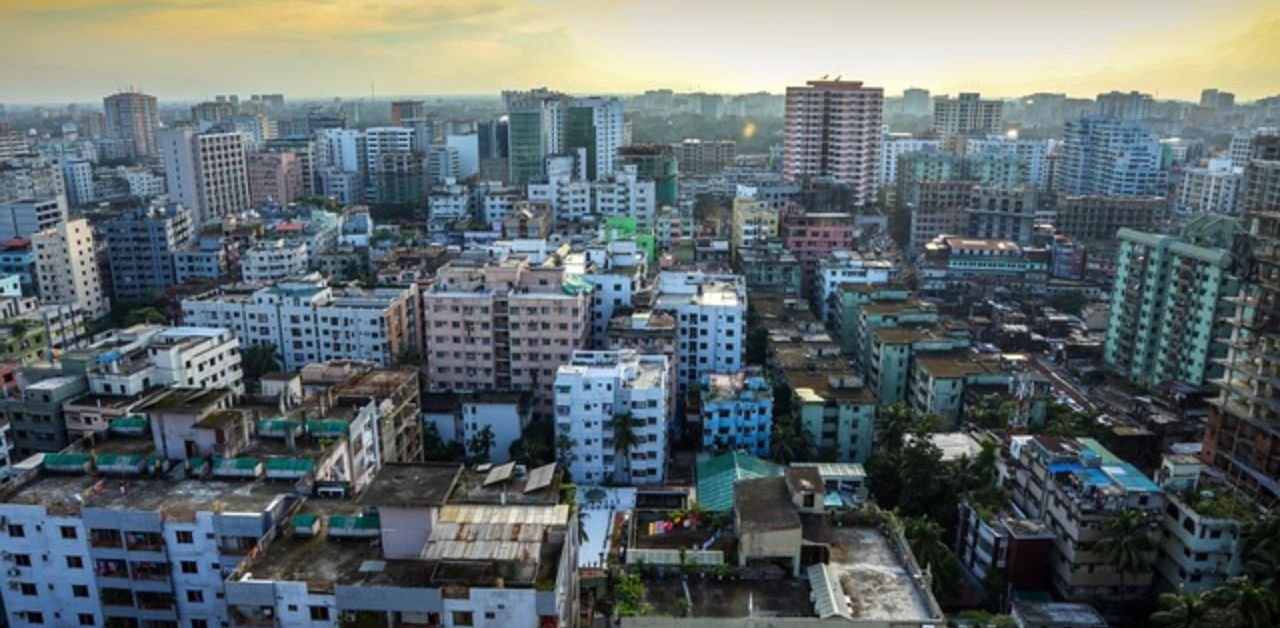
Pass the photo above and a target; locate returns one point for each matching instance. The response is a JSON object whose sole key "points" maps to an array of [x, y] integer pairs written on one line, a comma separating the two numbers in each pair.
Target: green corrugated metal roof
{"points": [[111, 460], [274, 425], [305, 521], [327, 427], [65, 460], [289, 464], [717, 476], [354, 522], [129, 422]]}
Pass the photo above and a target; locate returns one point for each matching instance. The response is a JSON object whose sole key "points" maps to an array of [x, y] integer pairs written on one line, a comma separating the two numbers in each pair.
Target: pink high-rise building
{"points": [[274, 177], [503, 325], [833, 131]]}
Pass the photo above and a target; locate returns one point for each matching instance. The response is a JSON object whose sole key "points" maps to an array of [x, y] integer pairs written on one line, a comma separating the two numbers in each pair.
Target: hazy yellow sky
{"points": [[58, 50]]}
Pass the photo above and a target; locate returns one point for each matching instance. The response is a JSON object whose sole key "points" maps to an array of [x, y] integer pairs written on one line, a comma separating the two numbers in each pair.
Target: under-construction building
{"points": [[1243, 437]]}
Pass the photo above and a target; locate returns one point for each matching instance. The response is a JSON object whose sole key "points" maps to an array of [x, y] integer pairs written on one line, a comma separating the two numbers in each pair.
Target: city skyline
{"points": [[78, 50]]}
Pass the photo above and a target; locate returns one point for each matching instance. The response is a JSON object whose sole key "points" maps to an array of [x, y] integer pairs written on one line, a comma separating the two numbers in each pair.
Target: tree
{"points": [[1246, 603], [757, 345], [435, 449], [789, 441], [928, 545], [259, 359], [536, 446], [1181, 610], [1126, 543], [628, 595], [893, 425], [481, 442], [145, 315], [1069, 301], [1261, 549], [624, 439]]}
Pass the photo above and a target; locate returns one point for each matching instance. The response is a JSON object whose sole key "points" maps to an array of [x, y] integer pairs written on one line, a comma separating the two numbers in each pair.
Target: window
{"points": [[490, 615], [190, 566], [28, 589], [75, 562], [195, 595], [319, 613], [68, 532], [16, 530], [35, 618], [184, 536], [22, 560], [79, 590], [463, 618], [86, 619], [199, 623]]}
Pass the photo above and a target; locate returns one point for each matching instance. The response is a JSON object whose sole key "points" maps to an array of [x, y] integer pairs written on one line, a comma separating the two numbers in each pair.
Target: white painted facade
{"points": [[594, 388], [272, 260], [711, 312]]}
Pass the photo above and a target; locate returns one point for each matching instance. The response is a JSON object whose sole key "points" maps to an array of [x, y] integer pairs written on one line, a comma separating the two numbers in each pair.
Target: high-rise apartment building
{"points": [[1212, 188], [535, 130], [274, 178], [1243, 437], [140, 247], [1217, 99], [1125, 106], [710, 313], [503, 325], [67, 268], [21, 219], [206, 172], [1168, 311], [833, 130], [407, 110], [595, 392], [595, 125], [705, 157], [968, 114], [133, 120], [1110, 157], [915, 101]]}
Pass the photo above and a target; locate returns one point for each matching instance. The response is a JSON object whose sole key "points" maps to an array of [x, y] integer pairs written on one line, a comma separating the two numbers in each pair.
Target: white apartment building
{"points": [[898, 144], [21, 219], [623, 193], [451, 200], [143, 183], [1035, 156], [67, 268], [610, 129], [968, 114], [1209, 189], [146, 356], [847, 267], [309, 322], [503, 414], [268, 261], [594, 391], [86, 550], [711, 312], [617, 271], [206, 172]]}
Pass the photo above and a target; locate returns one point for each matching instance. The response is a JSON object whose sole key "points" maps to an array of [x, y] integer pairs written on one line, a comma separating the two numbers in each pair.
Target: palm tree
{"points": [[1181, 610], [481, 442], [624, 439], [1261, 549], [1126, 543], [894, 425], [259, 359], [926, 539], [789, 441], [1247, 604]]}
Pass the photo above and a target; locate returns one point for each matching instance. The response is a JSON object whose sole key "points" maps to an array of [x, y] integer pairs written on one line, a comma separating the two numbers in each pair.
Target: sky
{"points": [[80, 50]]}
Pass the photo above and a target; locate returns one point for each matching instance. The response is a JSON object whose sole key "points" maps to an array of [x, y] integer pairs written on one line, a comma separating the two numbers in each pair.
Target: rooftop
{"points": [[876, 581], [764, 505], [416, 485], [717, 476], [148, 494]]}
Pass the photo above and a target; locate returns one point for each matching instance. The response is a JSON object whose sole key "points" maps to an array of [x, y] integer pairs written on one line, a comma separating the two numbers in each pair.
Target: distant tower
{"points": [[132, 118]]}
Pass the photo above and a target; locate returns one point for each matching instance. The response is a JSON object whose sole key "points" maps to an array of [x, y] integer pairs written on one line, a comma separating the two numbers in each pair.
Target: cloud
{"points": [[78, 49]]}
